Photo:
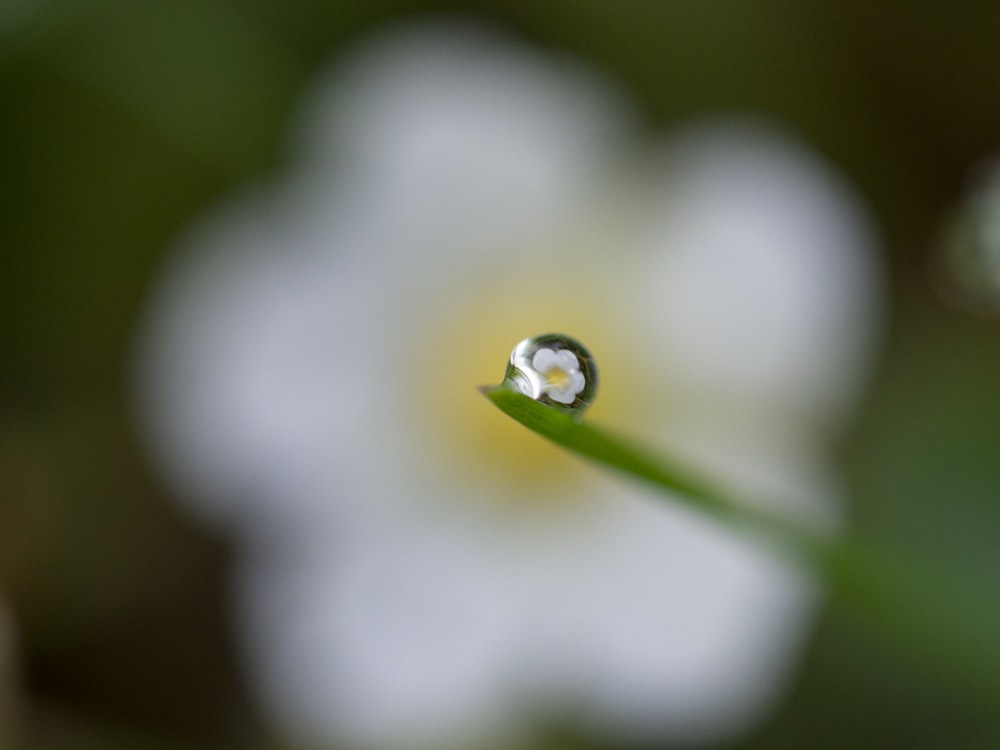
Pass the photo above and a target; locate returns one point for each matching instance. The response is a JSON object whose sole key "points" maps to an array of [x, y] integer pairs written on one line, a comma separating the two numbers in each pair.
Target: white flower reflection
{"points": [[416, 570], [561, 370]]}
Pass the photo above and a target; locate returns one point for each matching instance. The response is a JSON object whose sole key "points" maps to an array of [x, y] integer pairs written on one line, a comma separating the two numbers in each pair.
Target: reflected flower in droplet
{"points": [[416, 570], [554, 369]]}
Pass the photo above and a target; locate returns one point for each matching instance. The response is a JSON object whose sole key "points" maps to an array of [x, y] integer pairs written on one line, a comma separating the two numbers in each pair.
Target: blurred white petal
{"points": [[762, 277]]}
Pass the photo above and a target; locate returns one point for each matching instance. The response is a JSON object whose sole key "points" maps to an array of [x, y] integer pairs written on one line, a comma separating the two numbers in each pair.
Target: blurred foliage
{"points": [[121, 121]]}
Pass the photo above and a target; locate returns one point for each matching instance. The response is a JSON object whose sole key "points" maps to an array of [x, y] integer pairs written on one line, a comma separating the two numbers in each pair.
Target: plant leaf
{"points": [[946, 624], [604, 448]]}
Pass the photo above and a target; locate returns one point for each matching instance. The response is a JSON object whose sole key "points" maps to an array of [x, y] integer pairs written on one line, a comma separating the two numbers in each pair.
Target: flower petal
{"points": [[457, 126], [395, 640], [544, 360], [566, 360], [562, 394], [760, 273]]}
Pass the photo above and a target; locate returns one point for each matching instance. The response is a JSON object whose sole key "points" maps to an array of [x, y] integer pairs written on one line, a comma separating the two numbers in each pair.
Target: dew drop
{"points": [[554, 369]]}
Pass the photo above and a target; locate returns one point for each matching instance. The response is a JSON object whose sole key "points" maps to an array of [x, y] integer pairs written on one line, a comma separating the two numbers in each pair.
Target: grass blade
{"points": [[946, 625]]}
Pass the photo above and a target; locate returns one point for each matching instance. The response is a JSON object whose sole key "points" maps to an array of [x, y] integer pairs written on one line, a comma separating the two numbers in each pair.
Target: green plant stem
{"points": [[947, 625], [682, 486]]}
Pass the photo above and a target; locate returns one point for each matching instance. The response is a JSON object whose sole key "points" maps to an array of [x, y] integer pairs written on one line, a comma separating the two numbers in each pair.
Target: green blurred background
{"points": [[121, 121]]}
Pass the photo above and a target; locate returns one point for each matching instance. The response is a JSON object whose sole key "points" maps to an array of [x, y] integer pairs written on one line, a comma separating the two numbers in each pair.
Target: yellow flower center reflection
{"points": [[469, 435], [556, 377]]}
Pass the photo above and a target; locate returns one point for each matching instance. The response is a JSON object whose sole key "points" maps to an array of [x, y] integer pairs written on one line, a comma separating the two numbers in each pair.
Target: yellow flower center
{"points": [[556, 377], [471, 347]]}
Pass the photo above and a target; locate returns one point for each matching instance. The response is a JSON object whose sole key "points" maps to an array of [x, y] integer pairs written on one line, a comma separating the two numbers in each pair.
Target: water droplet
{"points": [[554, 369], [969, 259]]}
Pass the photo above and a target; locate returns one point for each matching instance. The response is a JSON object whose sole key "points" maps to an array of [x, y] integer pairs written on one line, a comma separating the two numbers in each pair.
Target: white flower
{"points": [[416, 569], [561, 371]]}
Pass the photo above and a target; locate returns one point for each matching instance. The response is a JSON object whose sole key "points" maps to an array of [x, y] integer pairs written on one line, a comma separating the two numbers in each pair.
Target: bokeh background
{"points": [[120, 122]]}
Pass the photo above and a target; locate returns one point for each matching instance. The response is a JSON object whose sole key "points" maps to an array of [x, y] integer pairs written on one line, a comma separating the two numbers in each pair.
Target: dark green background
{"points": [[121, 121]]}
